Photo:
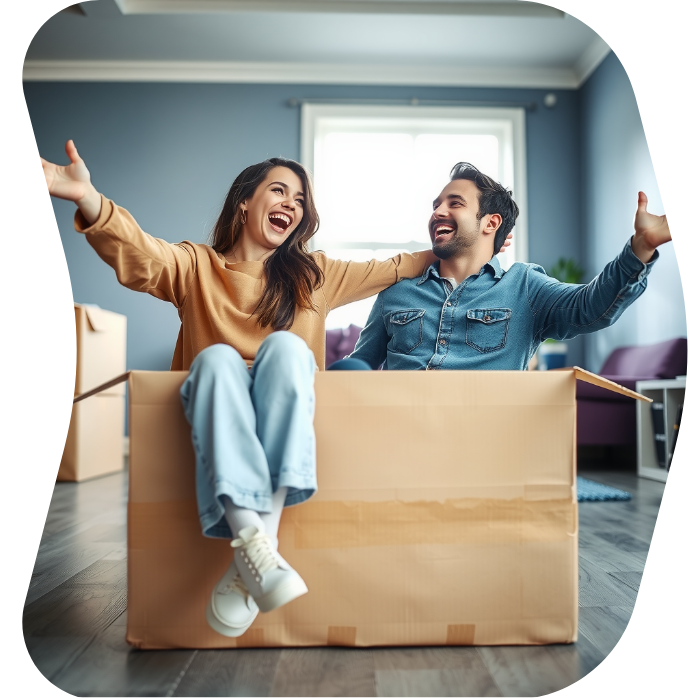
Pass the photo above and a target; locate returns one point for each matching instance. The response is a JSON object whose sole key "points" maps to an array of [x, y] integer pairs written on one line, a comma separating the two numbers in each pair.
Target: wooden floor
{"points": [[75, 617]]}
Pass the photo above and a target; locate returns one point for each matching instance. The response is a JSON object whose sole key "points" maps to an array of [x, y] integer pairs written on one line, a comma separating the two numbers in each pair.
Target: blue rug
{"points": [[593, 491]]}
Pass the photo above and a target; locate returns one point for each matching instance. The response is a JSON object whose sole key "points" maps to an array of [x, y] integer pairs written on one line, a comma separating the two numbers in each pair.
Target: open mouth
{"points": [[441, 231], [279, 222]]}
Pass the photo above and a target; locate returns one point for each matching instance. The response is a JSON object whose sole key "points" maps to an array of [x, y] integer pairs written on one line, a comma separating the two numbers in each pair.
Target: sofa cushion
{"points": [[659, 361], [340, 342]]}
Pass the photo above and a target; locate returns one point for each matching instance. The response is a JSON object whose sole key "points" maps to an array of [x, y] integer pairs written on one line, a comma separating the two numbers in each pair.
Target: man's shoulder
{"points": [[401, 288], [523, 268]]}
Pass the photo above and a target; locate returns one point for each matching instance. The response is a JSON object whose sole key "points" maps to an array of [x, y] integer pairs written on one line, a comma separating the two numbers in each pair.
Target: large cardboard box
{"points": [[446, 515], [95, 442]]}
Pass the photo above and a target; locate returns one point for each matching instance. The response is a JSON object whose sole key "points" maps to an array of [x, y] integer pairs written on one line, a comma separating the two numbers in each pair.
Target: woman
{"points": [[253, 307]]}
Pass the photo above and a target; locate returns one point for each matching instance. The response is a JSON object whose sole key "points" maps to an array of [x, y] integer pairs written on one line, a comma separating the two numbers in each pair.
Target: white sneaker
{"points": [[268, 577], [231, 609]]}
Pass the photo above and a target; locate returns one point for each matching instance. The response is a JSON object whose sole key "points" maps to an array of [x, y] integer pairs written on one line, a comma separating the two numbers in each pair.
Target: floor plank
{"points": [[63, 622], [604, 627], [219, 673], [597, 588], [629, 578], [433, 671], [109, 667], [328, 672], [604, 555], [535, 671]]}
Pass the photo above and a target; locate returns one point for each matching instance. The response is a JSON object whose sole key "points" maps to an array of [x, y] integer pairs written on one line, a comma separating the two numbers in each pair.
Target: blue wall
{"points": [[169, 152], [615, 165]]}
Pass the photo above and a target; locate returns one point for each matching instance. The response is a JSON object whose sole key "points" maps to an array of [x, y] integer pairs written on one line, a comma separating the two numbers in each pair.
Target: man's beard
{"points": [[460, 243]]}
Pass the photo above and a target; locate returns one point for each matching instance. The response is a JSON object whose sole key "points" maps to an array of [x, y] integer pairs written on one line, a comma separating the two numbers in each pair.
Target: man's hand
{"points": [[650, 231], [72, 182], [506, 243]]}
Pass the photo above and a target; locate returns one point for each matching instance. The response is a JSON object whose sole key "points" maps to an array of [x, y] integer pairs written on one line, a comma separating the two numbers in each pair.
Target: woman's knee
{"points": [[285, 347], [215, 357]]}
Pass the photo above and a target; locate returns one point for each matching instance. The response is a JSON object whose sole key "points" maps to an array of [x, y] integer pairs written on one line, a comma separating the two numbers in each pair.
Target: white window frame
{"points": [[506, 123]]}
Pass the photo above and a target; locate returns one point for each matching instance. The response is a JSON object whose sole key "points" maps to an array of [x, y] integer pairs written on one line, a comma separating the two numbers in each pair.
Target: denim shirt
{"points": [[495, 319]]}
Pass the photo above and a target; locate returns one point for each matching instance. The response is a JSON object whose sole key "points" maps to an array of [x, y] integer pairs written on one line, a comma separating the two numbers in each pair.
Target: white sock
{"points": [[272, 520], [238, 518]]}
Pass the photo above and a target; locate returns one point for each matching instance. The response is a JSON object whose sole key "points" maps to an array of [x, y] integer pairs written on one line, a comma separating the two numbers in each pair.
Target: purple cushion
{"points": [[660, 361], [340, 342]]}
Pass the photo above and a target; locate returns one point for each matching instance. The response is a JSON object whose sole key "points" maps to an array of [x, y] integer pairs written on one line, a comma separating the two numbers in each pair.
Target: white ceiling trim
{"points": [[590, 59], [494, 8], [299, 73]]}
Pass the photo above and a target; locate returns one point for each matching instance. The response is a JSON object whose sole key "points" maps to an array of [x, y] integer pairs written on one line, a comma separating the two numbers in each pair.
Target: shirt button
{"points": [[448, 304], [442, 341], [487, 318]]}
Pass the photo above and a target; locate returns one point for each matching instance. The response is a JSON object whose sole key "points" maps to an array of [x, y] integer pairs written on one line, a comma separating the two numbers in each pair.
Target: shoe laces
{"points": [[236, 585], [260, 551]]}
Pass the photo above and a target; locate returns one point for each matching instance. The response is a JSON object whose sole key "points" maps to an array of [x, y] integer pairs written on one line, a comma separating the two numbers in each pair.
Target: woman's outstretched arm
{"points": [[141, 262]]}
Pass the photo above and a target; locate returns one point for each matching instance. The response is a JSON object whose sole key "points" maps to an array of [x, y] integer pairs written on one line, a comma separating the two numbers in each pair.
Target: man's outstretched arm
{"points": [[563, 311], [372, 343]]}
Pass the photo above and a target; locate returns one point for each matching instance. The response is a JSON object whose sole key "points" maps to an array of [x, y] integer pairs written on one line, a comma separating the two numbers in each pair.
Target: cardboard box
{"points": [[100, 346], [95, 442], [446, 515]]}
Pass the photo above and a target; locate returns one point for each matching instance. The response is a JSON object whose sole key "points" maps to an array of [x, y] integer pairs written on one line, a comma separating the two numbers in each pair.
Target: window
{"points": [[377, 170]]}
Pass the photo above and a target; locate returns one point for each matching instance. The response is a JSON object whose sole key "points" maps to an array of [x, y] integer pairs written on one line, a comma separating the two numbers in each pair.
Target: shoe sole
{"points": [[282, 595], [221, 628]]}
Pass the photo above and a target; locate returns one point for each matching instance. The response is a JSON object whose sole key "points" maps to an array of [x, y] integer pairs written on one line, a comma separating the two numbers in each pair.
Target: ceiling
{"points": [[418, 42]]}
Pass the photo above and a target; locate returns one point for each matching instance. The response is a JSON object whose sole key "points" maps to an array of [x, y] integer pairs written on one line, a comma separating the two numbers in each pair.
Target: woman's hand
{"points": [[72, 182], [506, 243], [650, 231]]}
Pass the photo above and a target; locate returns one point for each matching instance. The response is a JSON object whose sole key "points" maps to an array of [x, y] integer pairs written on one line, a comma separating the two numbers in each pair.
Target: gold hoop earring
{"points": [[244, 218]]}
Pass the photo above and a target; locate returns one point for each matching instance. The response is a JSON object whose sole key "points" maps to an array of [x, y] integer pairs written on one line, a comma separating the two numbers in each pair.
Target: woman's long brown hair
{"points": [[291, 273]]}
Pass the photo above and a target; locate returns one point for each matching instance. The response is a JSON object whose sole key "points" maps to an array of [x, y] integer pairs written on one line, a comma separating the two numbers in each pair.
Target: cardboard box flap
{"points": [[585, 376], [96, 318], [101, 347], [103, 387]]}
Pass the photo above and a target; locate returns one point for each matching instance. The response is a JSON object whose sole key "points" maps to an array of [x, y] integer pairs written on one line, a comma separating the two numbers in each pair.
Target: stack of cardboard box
{"points": [[95, 442]]}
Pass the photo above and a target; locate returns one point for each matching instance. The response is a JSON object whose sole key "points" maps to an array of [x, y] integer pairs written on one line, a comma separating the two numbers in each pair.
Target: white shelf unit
{"points": [[670, 392]]}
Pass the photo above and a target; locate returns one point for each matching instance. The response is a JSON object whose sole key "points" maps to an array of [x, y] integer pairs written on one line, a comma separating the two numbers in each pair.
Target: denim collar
{"points": [[434, 272]]}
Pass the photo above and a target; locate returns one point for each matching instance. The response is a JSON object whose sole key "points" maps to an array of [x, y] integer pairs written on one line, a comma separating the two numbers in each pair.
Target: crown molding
{"points": [[590, 59], [298, 73], [494, 8]]}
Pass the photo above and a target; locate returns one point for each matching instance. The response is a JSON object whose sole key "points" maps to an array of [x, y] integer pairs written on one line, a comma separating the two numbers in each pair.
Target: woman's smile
{"points": [[279, 221]]}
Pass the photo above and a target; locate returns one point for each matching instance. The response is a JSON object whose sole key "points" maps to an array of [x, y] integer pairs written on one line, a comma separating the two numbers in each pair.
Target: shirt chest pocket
{"points": [[406, 330], [487, 329]]}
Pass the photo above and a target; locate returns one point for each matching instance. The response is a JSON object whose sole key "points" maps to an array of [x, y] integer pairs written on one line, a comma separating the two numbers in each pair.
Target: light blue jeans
{"points": [[252, 429]]}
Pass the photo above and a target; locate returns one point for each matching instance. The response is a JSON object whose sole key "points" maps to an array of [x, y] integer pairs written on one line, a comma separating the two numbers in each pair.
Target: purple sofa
{"points": [[340, 342], [604, 418]]}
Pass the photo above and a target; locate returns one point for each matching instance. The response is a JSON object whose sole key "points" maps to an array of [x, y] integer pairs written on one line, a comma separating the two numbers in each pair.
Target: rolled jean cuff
{"points": [[212, 518], [299, 489], [297, 496]]}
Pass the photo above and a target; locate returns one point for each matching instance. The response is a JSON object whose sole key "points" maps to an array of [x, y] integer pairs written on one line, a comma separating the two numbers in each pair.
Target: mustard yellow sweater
{"points": [[215, 298]]}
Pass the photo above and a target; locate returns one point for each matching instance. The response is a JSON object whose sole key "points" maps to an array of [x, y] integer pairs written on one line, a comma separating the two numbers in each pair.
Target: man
{"points": [[466, 312]]}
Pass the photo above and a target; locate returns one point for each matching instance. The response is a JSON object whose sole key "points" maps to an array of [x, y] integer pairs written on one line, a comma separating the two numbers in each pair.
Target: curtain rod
{"points": [[412, 101]]}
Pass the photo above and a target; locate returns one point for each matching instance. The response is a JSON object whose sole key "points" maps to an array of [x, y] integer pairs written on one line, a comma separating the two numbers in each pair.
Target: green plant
{"points": [[566, 270]]}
